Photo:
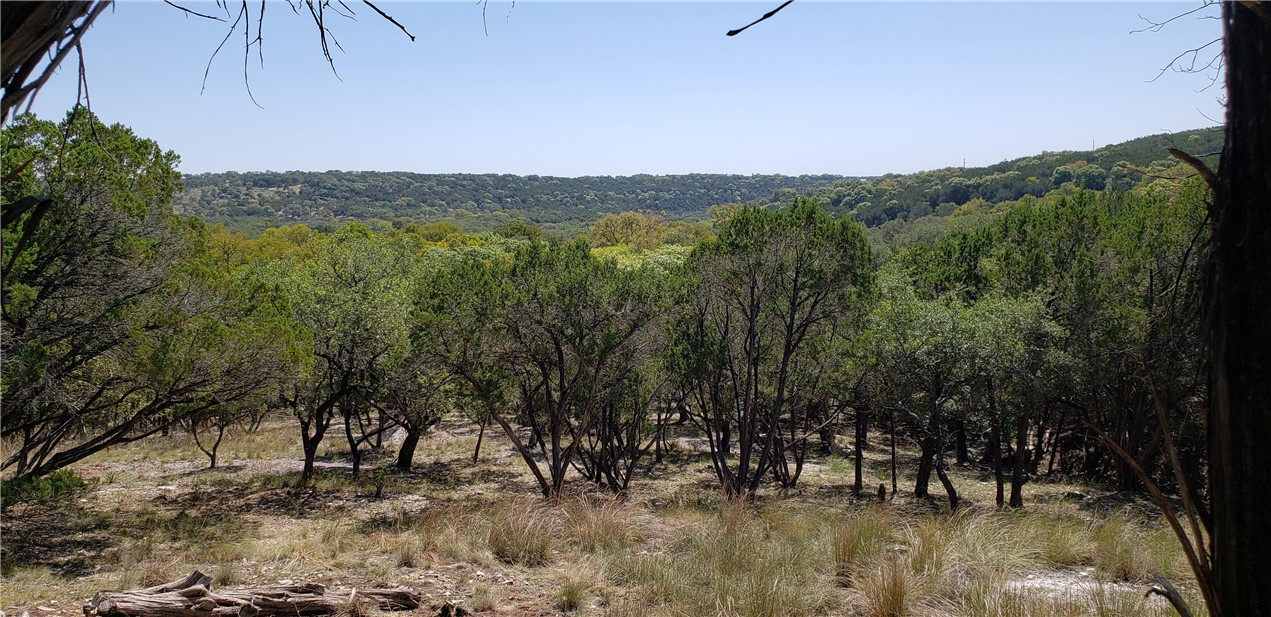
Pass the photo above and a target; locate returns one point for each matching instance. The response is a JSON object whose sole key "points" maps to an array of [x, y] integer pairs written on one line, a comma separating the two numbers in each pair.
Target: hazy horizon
{"points": [[620, 89]]}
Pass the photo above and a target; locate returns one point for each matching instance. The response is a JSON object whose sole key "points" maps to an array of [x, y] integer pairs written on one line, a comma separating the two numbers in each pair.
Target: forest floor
{"points": [[477, 535]]}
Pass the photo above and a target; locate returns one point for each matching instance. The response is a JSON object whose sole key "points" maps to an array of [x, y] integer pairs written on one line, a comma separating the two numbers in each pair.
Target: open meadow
{"points": [[480, 537]]}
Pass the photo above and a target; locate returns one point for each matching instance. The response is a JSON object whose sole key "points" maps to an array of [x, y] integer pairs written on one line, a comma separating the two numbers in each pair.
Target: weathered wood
{"points": [[192, 596]]}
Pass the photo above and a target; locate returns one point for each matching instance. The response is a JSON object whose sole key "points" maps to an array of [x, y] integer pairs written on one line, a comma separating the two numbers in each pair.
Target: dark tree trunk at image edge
{"points": [[1237, 319]]}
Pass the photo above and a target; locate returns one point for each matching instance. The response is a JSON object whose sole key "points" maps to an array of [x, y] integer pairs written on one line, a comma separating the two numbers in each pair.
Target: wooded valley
{"points": [[1035, 323]]}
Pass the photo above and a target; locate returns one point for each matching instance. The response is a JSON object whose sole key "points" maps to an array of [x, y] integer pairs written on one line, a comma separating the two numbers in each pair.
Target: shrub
{"points": [[57, 487]]}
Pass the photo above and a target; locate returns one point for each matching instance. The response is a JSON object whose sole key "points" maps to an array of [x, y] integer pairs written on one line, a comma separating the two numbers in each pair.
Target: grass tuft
{"points": [[601, 524], [523, 533], [859, 539]]}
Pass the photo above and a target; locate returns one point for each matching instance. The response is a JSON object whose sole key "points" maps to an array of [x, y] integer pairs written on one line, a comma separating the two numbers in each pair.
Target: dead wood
{"points": [[1163, 588], [192, 596]]}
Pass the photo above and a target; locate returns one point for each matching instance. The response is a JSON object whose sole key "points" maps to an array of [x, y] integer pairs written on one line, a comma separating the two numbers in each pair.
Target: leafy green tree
{"points": [[351, 300], [772, 284], [572, 329], [114, 328], [1018, 370], [927, 352], [1091, 177], [642, 231]]}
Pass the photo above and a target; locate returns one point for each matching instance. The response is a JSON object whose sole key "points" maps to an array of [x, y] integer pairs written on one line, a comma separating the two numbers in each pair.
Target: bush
{"points": [[56, 487]]}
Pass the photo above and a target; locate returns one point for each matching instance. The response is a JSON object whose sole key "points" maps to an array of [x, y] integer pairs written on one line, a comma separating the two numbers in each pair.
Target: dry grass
{"points": [[860, 539], [741, 563], [601, 524], [523, 532], [678, 552]]}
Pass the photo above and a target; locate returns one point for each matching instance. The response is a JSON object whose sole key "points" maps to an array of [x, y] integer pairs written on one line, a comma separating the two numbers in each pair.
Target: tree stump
{"points": [[192, 596]]}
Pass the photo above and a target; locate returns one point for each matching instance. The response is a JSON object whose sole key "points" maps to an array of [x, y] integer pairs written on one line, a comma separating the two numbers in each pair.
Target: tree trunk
{"points": [[826, 432], [1020, 462], [406, 454], [996, 452], [925, 466], [192, 596], [354, 452], [1239, 335], [893, 452], [476, 450], [963, 454], [862, 427], [311, 453], [947, 483]]}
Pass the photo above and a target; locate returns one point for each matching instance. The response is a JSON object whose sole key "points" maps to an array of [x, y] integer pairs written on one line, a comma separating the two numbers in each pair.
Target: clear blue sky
{"points": [[587, 88]]}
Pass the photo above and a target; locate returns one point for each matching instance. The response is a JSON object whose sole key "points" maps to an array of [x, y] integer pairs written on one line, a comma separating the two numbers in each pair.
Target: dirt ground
{"points": [[154, 511]]}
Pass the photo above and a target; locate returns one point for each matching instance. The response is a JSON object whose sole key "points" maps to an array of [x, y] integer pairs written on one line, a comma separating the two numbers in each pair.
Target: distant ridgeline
{"points": [[252, 201]]}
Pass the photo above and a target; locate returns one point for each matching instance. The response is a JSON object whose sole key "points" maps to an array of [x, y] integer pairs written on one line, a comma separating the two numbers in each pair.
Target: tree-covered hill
{"points": [[477, 201], [875, 201], [252, 201]]}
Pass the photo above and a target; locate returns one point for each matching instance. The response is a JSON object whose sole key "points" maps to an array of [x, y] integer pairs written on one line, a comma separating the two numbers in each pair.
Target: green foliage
{"points": [[57, 487], [122, 321], [875, 201], [478, 202], [641, 231], [767, 296], [1084, 299], [254, 201]]}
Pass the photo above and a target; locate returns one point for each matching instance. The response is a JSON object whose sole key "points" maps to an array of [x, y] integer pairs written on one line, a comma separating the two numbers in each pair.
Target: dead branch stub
{"points": [[192, 596]]}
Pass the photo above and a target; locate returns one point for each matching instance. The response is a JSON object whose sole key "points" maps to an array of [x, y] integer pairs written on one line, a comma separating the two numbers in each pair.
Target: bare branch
{"points": [[347, 13], [765, 16], [17, 90], [232, 28], [189, 12], [1163, 588], [1178, 62], [1201, 168], [260, 31], [394, 21], [247, 54], [1154, 26]]}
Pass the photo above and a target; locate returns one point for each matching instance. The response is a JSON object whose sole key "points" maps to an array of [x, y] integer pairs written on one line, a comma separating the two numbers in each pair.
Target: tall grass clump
{"points": [[738, 564], [1060, 541], [890, 589], [1120, 553], [523, 533], [597, 524], [572, 593], [858, 540]]}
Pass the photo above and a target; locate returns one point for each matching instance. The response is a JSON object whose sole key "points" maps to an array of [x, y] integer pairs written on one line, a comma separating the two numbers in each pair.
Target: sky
{"points": [[608, 88]]}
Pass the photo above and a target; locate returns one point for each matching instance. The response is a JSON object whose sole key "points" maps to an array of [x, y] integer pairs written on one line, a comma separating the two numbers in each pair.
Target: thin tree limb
{"points": [[1200, 563], [391, 20], [765, 16], [1163, 588], [189, 12], [1211, 179]]}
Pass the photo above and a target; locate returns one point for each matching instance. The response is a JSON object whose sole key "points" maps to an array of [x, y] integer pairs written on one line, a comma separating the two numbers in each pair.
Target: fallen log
{"points": [[192, 596]]}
